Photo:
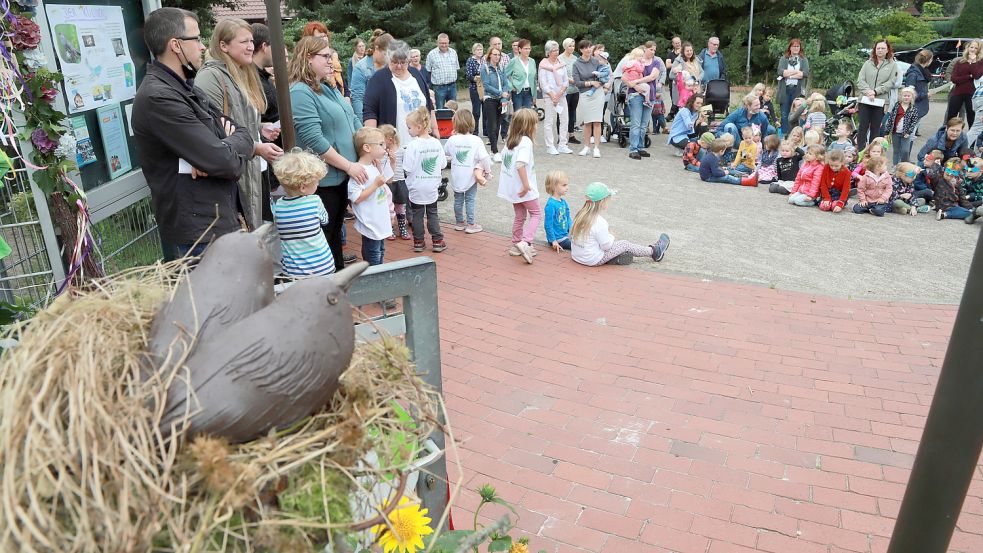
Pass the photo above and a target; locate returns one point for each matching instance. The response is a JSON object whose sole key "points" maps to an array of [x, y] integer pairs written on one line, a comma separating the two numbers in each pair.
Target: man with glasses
{"points": [[192, 155], [443, 65], [712, 61]]}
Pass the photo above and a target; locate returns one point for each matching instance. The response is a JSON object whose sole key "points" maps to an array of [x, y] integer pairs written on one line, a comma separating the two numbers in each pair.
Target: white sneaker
{"points": [[564, 150], [585, 151], [597, 152], [552, 151], [592, 140], [603, 139], [514, 251], [525, 250], [497, 158]]}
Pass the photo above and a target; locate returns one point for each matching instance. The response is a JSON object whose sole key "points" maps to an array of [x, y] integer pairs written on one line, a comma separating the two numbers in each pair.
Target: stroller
{"points": [[843, 105], [620, 122], [718, 96], [445, 128]]}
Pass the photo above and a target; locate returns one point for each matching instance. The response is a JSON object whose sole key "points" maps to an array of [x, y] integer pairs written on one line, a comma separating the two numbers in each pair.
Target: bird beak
{"points": [[265, 234], [345, 277]]}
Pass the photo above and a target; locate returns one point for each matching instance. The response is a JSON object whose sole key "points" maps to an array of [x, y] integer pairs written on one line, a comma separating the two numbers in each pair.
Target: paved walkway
{"points": [[623, 410]]}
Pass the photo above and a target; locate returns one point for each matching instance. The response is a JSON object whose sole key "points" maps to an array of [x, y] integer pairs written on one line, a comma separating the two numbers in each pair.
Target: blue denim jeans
{"points": [[373, 250], [726, 179], [640, 115], [801, 200], [177, 251], [465, 201], [879, 209], [693, 168], [522, 99], [901, 147], [957, 212], [444, 92]]}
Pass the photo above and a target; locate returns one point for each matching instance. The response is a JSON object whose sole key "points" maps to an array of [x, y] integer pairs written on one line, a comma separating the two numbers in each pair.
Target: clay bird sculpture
{"points": [[233, 280], [273, 367]]}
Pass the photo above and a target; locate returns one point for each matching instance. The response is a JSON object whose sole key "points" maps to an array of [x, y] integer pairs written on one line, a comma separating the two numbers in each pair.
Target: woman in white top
{"points": [[593, 244], [553, 82]]}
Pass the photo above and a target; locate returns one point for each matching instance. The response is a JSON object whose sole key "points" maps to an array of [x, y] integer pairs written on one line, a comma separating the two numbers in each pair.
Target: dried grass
{"points": [[85, 468]]}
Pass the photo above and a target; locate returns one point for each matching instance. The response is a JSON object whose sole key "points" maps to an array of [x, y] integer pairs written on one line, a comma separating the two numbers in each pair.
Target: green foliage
{"points": [[932, 9], [496, 535], [479, 23], [903, 28], [943, 26], [308, 496], [834, 67], [970, 21], [429, 165]]}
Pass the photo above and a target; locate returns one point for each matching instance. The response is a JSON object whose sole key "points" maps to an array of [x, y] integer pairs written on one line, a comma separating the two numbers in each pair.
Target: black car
{"points": [[944, 49]]}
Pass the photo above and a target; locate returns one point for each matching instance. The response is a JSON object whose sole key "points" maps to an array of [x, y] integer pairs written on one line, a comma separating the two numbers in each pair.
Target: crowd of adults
{"points": [[216, 121]]}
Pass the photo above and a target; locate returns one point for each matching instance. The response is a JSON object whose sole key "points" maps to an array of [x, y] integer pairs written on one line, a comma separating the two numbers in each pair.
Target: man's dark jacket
{"points": [[173, 120]]}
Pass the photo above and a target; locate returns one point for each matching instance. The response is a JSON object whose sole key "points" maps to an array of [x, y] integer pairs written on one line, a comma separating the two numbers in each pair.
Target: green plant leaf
{"points": [[449, 542], [430, 165], [462, 155], [501, 544], [506, 504]]}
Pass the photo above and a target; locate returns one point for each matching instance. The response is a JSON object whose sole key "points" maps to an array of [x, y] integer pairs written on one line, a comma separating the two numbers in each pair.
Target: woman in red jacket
{"points": [[964, 71]]}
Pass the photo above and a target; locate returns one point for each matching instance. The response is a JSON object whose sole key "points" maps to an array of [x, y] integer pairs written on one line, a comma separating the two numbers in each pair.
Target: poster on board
{"points": [[90, 42], [84, 152], [114, 140]]}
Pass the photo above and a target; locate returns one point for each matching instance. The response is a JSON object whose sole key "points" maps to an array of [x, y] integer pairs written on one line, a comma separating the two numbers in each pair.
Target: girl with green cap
{"points": [[593, 244]]}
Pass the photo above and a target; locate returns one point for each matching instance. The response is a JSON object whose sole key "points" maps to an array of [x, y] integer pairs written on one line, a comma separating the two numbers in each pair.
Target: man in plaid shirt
{"points": [[443, 65]]}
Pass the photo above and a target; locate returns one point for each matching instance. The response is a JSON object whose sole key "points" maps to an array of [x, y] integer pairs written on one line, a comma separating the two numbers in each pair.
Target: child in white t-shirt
{"points": [[394, 160], [423, 161], [371, 200], [593, 244], [517, 182], [470, 167]]}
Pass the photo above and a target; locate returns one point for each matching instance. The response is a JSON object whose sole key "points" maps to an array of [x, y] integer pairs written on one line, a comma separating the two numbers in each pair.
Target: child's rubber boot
{"points": [[750, 180]]}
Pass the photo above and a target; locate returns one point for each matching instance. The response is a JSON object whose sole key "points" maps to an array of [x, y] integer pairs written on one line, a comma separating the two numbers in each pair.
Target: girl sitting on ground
{"points": [[787, 166], [874, 188], [834, 187], [903, 199], [806, 186], [592, 242], [950, 202], [876, 148], [796, 136], [768, 169]]}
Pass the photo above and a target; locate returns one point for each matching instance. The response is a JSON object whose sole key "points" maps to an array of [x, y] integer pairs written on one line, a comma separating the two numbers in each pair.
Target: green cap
{"points": [[708, 137], [597, 191]]}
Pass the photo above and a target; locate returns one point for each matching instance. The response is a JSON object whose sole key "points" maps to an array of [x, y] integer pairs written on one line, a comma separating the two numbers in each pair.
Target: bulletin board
{"points": [[100, 49]]}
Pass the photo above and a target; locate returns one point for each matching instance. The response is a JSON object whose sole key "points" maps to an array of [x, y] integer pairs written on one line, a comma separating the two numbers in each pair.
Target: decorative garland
{"points": [[30, 88]]}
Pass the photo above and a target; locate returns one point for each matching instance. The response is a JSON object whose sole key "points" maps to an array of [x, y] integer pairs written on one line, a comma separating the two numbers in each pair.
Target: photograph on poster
{"points": [[114, 140], [84, 152], [90, 42]]}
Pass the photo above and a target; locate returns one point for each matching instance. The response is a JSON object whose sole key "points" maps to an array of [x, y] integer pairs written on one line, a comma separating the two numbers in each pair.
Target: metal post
{"points": [[750, 26], [275, 23], [950, 446]]}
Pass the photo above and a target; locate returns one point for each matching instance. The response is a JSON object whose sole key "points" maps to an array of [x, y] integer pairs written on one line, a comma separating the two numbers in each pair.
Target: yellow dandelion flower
{"points": [[409, 524], [519, 548]]}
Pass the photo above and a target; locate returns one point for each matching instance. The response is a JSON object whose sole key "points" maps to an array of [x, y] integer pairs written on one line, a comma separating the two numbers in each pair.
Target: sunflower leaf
{"points": [[449, 542], [500, 544]]}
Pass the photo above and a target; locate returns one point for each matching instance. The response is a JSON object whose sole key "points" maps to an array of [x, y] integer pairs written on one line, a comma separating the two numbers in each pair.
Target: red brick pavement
{"points": [[627, 410]]}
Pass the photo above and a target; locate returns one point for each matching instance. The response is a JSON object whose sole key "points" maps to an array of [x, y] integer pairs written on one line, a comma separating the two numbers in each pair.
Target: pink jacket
{"points": [[808, 179], [874, 189]]}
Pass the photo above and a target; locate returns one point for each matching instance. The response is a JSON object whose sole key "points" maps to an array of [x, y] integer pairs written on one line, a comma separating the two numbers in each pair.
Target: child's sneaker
{"points": [[660, 247], [460, 226], [419, 245], [473, 229], [439, 246], [621, 259], [526, 251], [348, 258], [924, 208], [939, 215], [585, 151]]}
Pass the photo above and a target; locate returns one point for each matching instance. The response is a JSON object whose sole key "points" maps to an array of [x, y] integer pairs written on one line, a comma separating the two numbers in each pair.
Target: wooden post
{"points": [[274, 21]]}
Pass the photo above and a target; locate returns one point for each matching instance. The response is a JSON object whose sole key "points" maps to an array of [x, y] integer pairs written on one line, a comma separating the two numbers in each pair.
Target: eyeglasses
{"points": [[191, 38], [399, 63], [327, 57]]}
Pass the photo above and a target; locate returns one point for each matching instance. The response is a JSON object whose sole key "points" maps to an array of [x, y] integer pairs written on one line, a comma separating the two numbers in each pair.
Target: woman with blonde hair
{"points": [[965, 70], [231, 83], [325, 125]]}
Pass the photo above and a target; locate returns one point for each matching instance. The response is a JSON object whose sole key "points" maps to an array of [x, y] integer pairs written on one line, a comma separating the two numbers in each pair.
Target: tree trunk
{"points": [[65, 218]]}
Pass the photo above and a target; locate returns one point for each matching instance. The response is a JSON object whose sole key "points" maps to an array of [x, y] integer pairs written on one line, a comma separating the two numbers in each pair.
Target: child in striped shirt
{"points": [[299, 215]]}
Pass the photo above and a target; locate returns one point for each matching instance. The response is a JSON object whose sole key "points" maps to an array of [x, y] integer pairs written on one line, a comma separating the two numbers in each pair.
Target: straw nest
{"points": [[84, 467]]}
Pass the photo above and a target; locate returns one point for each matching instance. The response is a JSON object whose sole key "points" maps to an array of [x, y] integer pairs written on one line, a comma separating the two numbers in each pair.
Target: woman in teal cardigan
{"points": [[325, 124], [521, 74]]}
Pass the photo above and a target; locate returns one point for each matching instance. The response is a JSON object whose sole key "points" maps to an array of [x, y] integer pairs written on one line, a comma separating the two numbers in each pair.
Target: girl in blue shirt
{"points": [[558, 218]]}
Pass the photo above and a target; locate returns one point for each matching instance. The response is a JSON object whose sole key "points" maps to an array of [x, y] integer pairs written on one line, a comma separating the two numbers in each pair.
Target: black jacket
{"points": [[918, 77], [788, 168], [171, 121], [380, 97]]}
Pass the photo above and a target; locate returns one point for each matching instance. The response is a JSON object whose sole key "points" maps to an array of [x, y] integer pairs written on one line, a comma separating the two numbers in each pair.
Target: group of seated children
{"points": [[826, 177]]}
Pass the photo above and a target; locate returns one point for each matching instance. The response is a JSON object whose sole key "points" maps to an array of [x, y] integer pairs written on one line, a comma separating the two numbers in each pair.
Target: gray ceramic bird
{"points": [[272, 368], [233, 280]]}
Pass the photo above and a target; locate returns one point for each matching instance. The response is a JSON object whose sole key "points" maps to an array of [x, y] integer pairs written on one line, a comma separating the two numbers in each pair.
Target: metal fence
{"points": [[25, 275], [127, 238]]}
